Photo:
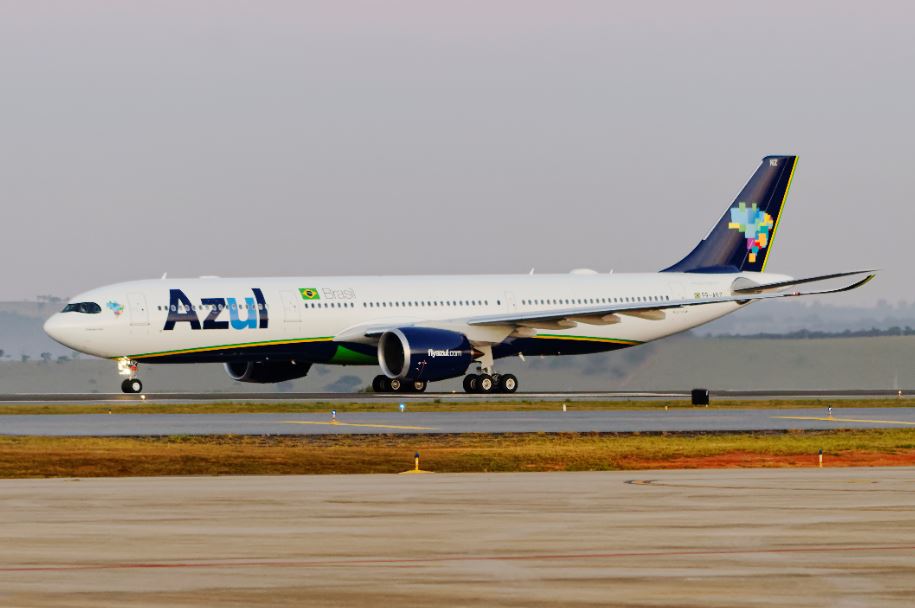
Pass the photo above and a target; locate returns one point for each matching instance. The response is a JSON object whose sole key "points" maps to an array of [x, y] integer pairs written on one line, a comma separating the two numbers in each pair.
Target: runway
{"points": [[620, 421], [720, 538], [583, 396]]}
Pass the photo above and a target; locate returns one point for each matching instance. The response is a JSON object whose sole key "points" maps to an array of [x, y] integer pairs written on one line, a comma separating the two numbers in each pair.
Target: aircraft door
{"points": [[139, 315], [291, 311], [509, 302]]}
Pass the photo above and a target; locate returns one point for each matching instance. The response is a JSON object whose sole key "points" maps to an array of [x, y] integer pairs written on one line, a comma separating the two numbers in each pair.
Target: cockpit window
{"points": [[87, 308]]}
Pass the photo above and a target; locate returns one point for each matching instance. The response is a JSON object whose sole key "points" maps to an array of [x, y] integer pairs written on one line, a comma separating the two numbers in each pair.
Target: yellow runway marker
{"points": [[371, 426], [834, 419]]}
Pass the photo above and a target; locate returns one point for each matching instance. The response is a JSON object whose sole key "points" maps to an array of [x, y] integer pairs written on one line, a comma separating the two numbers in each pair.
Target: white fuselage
{"points": [[215, 315]]}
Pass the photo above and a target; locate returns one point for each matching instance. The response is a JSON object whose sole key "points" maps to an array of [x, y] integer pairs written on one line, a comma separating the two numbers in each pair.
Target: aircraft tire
{"points": [[470, 383], [418, 386], [484, 383], [132, 386], [394, 385], [378, 384], [508, 383]]}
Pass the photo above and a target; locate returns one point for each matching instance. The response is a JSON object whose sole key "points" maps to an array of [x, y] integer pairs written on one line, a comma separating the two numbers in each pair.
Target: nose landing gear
{"points": [[131, 385]]}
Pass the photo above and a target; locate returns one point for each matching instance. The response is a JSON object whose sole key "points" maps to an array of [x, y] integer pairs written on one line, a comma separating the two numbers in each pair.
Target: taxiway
{"points": [[798, 537], [394, 422]]}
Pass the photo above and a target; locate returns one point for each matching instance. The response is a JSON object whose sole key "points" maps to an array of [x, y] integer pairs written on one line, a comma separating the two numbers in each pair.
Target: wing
{"points": [[494, 328], [608, 314]]}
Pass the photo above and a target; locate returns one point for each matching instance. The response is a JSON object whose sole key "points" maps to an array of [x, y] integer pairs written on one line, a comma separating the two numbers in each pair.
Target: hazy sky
{"points": [[284, 138]]}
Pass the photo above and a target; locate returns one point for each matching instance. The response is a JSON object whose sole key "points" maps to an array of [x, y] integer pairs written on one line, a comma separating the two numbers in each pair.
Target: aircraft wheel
{"points": [[132, 386], [418, 386], [507, 383], [378, 384], [484, 383], [394, 385], [470, 383]]}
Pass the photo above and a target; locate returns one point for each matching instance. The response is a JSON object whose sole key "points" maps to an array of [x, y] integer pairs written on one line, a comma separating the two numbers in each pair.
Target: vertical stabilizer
{"points": [[742, 238]]}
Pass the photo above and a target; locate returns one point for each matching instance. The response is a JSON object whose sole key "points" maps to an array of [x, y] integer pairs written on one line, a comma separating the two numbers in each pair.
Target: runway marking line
{"points": [[834, 419], [366, 425], [413, 561]]}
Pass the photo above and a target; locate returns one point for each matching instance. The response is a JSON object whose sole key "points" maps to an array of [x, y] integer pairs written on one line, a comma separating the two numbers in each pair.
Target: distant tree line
{"points": [[806, 334]]}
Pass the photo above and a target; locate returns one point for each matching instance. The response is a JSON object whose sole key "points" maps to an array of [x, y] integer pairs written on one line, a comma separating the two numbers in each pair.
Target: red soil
{"points": [[737, 460]]}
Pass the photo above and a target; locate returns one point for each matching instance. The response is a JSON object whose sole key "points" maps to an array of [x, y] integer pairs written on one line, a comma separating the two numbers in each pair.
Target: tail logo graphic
{"points": [[756, 226]]}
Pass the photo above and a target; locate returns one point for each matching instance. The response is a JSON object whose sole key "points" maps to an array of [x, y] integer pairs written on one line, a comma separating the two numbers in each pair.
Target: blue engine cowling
{"points": [[424, 353]]}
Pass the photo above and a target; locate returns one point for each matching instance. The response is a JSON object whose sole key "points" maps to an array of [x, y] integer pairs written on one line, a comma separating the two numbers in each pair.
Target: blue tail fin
{"points": [[742, 238]]}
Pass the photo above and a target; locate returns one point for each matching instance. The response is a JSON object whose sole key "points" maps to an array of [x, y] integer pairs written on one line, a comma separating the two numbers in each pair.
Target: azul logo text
{"points": [[182, 310]]}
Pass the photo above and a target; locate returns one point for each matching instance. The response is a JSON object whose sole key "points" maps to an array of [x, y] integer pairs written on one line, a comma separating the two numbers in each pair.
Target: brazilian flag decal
{"points": [[309, 293]]}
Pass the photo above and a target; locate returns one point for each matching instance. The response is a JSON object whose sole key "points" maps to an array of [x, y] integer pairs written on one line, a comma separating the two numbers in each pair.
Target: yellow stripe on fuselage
{"points": [[587, 339], [207, 349]]}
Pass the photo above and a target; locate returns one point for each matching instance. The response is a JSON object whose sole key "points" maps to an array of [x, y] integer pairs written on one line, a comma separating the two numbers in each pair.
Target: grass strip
{"points": [[304, 407], [36, 457]]}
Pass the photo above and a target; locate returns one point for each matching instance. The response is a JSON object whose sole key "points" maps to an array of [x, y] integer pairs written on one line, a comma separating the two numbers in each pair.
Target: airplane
{"points": [[421, 329]]}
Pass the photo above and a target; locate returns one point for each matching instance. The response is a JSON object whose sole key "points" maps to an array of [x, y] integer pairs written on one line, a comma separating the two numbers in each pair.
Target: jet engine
{"points": [[424, 353], [266, 372]]}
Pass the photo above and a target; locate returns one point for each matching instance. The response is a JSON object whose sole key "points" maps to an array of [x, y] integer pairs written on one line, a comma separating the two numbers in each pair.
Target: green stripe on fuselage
{"points": [[348, 356]]}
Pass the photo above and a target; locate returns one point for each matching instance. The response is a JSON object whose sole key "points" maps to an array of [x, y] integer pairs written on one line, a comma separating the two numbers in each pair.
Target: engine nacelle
{"points": [[424, 353], [266, 372]]}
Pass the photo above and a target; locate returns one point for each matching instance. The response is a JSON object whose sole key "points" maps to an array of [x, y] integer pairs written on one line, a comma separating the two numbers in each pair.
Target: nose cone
{"points": [[57, 328]]}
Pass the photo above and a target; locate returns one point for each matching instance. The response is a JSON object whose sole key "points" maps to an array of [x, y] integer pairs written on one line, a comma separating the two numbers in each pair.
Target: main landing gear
{"points": [[131, 385], [486, 383], [383, 384]]}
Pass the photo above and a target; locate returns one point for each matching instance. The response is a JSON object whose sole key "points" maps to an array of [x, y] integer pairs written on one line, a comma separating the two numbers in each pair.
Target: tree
{"points": [[46, 357]]}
